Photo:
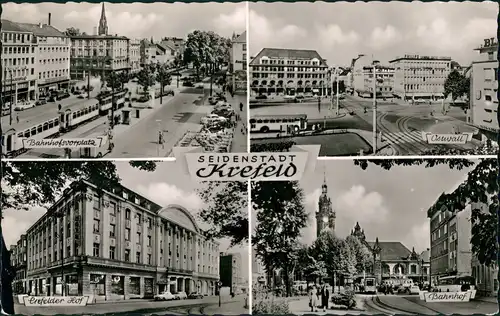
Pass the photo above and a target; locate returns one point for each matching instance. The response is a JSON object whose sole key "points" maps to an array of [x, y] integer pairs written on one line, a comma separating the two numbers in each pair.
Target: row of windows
{"points": [[13, 37], [9, 62], [18, 50], [289, 62], [40, 128], [95, 42], [16, 73], [424, 87], [52, 49], [53, 74], [285, 69], [54, 60], [289, 76], [101, 52]]}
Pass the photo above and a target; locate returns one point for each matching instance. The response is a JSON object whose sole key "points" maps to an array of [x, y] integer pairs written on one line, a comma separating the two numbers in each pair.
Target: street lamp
{"points": [[160, 138], [374, 107], [422, 272], [219, 285]]}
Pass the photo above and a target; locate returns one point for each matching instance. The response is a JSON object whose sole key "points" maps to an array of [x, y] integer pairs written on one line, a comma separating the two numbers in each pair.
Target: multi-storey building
{"points": [[230, 271], [100, 54], [420, 77], [52, 57], [175, 42], [19, 53], [363, 80], [288, 71], [157, 53], [18, 260], [238, 62], [116, 244], [483, 106], [135, 55], [425, 271]]}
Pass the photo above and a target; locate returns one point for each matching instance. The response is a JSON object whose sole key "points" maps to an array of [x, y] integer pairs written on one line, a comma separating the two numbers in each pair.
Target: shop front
{"points": [[54, 84]]}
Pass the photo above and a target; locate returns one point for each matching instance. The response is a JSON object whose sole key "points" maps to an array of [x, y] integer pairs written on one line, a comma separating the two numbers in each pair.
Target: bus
{"points": [[399, 282], [370, 285], [290, 124], [456, 283]]}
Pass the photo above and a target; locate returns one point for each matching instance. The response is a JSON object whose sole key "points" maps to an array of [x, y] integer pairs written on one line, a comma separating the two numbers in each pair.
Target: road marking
{"points": [[404, 137]]}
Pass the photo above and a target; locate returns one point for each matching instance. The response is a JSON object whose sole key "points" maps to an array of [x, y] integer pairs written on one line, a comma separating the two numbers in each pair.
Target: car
{"points": [[261, 97], [289, 97], [165, 296], [195, 295], [135, 80], [213, 101], [212, 118], [143, 98], [227, 113], [200, 86], [180, 296], [41, 102], [77, 92], [414, 289], [188, 83], [82, 96], [169, 92]]}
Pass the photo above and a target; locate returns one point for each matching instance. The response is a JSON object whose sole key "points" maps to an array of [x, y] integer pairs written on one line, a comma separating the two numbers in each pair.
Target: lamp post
{"points": [[160, 138], [422, 272], [219, 285], [337, 90], [374, 108]]}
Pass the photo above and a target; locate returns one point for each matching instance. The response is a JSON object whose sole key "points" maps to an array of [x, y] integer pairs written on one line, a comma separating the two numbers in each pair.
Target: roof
{"points": [[9, 26], [84, 36], [289, 54], [242, 38], [168, 44], [345, 72], [42, 30], [392, 250]]}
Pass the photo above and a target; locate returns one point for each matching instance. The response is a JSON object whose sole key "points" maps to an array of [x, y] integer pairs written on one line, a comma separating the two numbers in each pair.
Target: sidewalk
{"points": [[240, 138], [228, 308], [301, 306]]}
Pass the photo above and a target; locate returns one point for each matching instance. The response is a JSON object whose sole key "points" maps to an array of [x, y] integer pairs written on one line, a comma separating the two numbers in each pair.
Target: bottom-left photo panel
{"points": [[98, 237]]}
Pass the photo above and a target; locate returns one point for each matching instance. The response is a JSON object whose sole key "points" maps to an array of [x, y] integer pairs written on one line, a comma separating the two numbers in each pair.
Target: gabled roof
{"points": [[9, 26], [392, 250], [288, 53], [44, 30], [168, 44], [242, 38]]}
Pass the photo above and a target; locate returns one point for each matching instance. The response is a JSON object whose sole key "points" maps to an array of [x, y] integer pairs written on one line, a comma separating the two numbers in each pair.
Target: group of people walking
{"points": [[318, 297]]}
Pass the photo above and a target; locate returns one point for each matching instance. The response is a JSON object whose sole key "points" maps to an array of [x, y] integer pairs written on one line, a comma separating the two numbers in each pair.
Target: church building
{"points": [[325, 215]]}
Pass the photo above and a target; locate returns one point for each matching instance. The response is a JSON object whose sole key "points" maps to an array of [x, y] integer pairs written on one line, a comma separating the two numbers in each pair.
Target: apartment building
{"points": [[135, 55], [484, 86], [116, 244], [288, 72], [18, 259], [363, 80], [420, 77], [238, 62], [231, 271]]}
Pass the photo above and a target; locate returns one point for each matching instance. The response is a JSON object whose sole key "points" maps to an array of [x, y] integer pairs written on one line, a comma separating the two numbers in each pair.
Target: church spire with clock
{"points": [[103, 22], [325, 216]]}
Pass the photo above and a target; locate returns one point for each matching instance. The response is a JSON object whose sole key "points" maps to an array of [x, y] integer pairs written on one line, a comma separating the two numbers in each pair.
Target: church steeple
{"points": [[103, 22], [325, 217]]}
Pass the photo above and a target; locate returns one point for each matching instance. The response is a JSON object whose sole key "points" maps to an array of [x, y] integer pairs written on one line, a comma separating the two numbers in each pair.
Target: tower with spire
{"points": [[325, 216], [103, 22]]}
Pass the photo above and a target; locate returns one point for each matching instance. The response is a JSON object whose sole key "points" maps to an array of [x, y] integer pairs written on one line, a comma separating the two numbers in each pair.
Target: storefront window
{"points": [[148, 287], [117, 285], [135, 285], [72, 285], [98, 282]]}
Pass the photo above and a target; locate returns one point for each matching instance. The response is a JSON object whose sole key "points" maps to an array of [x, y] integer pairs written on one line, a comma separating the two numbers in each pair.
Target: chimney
{"points": [[50, 16], [40, 25]]}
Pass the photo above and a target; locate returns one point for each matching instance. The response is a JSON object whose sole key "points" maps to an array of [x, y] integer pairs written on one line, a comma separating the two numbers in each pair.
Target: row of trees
{"points": [[457, 85], [207, 51]]}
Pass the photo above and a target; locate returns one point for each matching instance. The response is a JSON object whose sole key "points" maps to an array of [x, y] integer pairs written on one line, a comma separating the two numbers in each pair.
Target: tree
{"points": [[146, 78], [457, 85], [480, 187], [226, 210], [336, 254], [280, 217], [123, 78], [363, 255], [206, 49], [164, 78], [113, 80], [71, 31], [312, 268]]}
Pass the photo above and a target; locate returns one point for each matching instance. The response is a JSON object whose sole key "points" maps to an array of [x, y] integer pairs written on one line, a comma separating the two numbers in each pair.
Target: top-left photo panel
{"points": [[107, 80]]}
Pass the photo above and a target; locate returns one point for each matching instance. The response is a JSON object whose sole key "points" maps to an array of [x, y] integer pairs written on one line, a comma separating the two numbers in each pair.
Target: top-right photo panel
{"points": [[382, 78]]}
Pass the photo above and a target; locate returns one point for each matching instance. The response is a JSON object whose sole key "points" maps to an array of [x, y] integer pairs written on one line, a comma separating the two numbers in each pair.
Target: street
{"points": [[401, 125], [206, 306], [398, 304]]}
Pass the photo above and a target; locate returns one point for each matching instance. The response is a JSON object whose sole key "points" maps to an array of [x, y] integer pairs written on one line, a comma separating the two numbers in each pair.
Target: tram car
{"points": [[106, 101], [12, 138], [74, 115]]}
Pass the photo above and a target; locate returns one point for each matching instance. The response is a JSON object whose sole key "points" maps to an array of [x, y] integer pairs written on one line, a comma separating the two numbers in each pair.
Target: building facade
{"points": [[238, 62], [231, 271], [364, 85], [52, 57], [420, 77], [483, 106], [425, 256], [19, 66], [288, 72], [135, 55], [325, 215], [18, 259], [116, 244]]}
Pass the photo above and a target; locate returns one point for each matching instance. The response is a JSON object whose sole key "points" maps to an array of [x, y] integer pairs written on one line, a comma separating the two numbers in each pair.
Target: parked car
{"points": [[227, 113], [165, 296], [261, 97], [82, 96], [40, 102], [188, 83], [195, 295], [143, 98], [212, 118], [77, 92], [180, 296], [414, 289]]}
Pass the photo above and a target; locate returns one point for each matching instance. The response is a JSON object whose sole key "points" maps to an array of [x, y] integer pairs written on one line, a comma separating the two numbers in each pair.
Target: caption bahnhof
{"points": [[116, 245]]}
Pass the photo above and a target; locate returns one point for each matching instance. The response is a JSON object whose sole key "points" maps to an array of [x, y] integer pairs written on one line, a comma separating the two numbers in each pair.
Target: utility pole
{"points": [[88, 84], [374, 108]]}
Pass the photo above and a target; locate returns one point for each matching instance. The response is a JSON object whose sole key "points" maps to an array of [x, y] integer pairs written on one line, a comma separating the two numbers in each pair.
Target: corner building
{"points": [[115, 244]]}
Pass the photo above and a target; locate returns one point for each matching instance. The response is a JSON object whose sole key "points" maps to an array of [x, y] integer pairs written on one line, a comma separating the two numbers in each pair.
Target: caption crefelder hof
{"points": [[242, 167]]}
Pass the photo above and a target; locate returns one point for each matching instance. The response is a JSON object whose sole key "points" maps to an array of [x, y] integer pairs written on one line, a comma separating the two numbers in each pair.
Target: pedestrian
{"points": [[313, 298], [17, 118], [241, 106], [325, 295], [161, 140]]}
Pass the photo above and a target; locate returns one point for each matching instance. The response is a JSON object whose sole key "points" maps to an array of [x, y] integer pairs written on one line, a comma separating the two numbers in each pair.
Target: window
{"points": [[149, 258], [112, 230], [127, 233], [68, 251], [139, 217], [138, 257], [127, 255], [96, 250], [149, 241], [138, 237], [96, 225], [150, 223], [113, 208], [111, 252], [96, 201], [127, 214]]}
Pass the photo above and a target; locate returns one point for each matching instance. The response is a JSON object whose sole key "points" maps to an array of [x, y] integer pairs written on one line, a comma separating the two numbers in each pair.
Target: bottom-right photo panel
{"points": [[378, 237]]}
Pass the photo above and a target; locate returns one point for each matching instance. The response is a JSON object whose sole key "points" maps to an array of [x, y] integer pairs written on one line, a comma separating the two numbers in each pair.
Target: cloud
{"points": [[29, 12], [236, 20], [418, 237], [332, 34], [380, 38], [264, 33], [16, 222], [357, 204], [308, 234], [165, 194]]}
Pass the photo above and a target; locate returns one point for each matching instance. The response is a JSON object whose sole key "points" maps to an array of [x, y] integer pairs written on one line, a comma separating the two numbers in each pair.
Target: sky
{"points": [[340, 31], [136, 20], [169, 184], [389, 204]]}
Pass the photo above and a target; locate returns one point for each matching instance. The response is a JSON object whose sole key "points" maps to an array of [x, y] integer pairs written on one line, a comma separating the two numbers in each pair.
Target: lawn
{"points": [[348, 144]]}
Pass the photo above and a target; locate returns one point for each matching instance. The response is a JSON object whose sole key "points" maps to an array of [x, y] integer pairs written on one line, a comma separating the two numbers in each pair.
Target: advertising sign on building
{"points": [[447, 297], [56, 300]]}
